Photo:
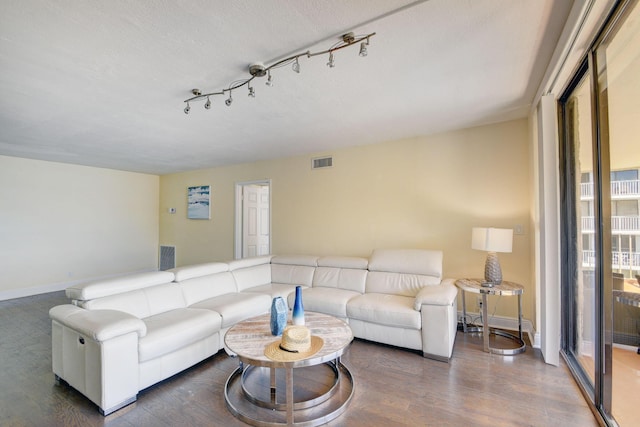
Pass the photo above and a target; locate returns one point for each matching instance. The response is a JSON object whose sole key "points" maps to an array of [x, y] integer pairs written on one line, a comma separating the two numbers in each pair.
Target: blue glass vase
{"points": [[279, 312], [297, 317]]}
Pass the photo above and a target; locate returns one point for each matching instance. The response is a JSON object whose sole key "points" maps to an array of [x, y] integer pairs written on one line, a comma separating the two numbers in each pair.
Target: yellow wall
{"points": [[63, 223], [426, 192]]}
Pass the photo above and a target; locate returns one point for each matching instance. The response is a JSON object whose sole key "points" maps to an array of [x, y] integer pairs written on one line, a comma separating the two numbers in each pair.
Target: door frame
{"points": [[238, 214]]}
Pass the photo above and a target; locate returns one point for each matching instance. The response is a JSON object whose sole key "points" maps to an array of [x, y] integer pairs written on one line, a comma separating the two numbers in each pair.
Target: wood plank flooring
{"points": [[394, 387]]}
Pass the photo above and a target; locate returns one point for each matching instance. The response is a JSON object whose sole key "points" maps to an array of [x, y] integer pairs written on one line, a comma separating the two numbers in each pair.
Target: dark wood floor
{"points": [[394, 387]]}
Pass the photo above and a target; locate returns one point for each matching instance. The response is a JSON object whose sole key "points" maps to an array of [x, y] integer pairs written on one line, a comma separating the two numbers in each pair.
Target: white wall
{"points": [[63, 223]]}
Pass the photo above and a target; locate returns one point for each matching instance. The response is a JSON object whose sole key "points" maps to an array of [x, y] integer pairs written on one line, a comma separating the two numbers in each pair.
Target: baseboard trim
{"points": [[35, 290], [54, 287], [509, 324]]}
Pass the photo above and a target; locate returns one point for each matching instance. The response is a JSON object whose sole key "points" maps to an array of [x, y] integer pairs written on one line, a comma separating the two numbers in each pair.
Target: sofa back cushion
{"points": [[408, 285], [117, 285], [198, 270], [201, 288], [348, 273], [142, 303], [251, 272], [293, 269], [403, 271]]}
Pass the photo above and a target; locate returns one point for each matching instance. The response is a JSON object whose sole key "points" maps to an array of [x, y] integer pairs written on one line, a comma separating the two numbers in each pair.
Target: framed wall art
{"points": [[199, 202]]}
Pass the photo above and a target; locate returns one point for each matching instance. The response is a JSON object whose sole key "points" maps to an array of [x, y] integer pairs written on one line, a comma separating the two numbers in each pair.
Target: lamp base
{"points": [[492, 270]]}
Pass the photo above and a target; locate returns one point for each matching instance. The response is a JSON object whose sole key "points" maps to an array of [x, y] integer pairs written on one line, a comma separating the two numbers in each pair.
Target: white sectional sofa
{"points": [[120, 336]]}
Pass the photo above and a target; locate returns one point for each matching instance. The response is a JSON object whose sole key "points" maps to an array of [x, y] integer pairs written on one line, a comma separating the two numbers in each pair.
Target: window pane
{"points": [[578, 131]]}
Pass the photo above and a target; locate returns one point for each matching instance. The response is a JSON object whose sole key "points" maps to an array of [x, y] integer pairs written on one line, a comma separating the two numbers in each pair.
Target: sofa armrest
{"points": [[100, 325], [443, 294]]}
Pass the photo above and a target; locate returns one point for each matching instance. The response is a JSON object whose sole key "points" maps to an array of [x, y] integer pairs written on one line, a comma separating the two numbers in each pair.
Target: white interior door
{"points": [[255, 220]]}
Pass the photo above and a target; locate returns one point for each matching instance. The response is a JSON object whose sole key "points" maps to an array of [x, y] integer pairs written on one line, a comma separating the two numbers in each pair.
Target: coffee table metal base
{"points": [[251, 394]]}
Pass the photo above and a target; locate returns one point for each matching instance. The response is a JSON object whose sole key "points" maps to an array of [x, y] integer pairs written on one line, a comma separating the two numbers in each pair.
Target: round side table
{"points": [[504, 288]]}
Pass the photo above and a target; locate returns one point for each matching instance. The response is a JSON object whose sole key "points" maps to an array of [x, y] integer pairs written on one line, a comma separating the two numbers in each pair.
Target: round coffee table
{"points": [[261, 391]]}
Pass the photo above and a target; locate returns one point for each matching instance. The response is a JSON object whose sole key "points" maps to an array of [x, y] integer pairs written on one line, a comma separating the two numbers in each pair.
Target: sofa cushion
{"points": [[252, 276], [293, 269], [117, 285], [273, 290], [202, 288], [172, 330], [198, 270], [411, 261], [292, 274], [343, 262], [142, 303], [407, 285], [236, 307], [238, 264], [306, 260], [325, 300], [384, 309], [340, 278]]}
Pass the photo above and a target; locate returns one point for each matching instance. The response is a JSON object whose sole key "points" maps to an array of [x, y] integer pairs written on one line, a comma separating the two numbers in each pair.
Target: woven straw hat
{"points": [[296, 344]]}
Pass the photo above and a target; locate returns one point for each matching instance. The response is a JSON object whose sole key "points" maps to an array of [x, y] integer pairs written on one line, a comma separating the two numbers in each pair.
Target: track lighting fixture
{"points": [[259, 70]]}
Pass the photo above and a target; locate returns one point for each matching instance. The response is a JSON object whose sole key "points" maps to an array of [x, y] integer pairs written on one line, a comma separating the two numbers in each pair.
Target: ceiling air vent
{"points": [[322, 162]]}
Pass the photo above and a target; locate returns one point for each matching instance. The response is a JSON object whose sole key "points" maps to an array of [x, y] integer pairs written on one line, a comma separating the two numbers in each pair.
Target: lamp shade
{"points": [[492, 239]]}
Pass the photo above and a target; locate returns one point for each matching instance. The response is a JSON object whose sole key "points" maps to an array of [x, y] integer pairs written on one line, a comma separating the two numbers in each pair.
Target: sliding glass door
{"points": [[600, 161]]}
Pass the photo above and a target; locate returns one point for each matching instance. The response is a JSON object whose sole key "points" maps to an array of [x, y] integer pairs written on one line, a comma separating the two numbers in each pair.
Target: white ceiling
{"points": [[102, 83]]}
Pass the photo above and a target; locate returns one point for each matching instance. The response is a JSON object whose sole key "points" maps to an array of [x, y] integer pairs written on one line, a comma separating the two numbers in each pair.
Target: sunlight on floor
{"points": [[626, 385]]}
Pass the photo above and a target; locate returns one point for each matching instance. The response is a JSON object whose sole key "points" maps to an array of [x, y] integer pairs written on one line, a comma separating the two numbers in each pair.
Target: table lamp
{"points": [[492, 240]]}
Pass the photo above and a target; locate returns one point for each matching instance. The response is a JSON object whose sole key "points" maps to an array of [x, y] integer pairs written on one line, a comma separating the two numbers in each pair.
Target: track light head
{"points": [[187, 109], [207, 104], [229, 100], [331, 62], [363, 49], [296, 66], [269, 82], [252, 92]]}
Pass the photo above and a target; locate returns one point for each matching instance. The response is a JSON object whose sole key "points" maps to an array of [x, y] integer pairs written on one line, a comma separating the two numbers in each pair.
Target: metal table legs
{"points": [[485, 327]]}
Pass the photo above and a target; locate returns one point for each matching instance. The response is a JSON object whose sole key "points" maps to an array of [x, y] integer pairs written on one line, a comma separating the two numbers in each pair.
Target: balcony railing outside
{"points": [[619, 224], [620, 260], [619, 189]]}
